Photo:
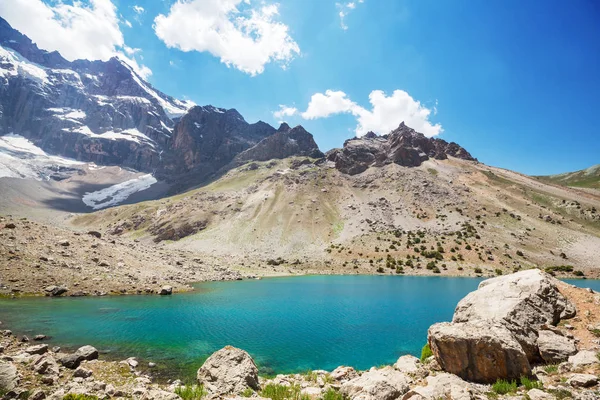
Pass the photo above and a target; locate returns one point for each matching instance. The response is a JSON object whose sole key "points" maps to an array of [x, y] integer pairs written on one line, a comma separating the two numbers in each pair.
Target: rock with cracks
{"points": [[522, 302], [377, 384], [229, 371], [555, 348], [480, 351]]}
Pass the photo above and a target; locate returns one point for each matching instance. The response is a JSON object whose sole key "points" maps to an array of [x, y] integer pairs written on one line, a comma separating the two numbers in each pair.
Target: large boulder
{"points": [[229, 371], [9, 377], [377, 384], [479, 351], [555, 348], [523, 302]]}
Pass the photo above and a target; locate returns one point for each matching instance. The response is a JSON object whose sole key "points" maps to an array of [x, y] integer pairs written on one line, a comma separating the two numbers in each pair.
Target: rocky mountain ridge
{"points": [[105, 113], [403, 146]]}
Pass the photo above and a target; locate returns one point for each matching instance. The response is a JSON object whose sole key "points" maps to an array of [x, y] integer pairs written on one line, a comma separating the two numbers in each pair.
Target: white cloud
{"points": [[244, 37], [138, 9], [386, 113], [285, 111], [344, 10], [128, 24], [78, 31], [332, 102]]}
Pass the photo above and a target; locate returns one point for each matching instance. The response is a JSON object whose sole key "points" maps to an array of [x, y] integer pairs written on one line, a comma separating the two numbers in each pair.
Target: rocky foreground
{"points": [[520, 336]]}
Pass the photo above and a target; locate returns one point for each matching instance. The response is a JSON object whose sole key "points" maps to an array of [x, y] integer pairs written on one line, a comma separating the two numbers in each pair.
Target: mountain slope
{"points": [[586, 178], [448, 216]]}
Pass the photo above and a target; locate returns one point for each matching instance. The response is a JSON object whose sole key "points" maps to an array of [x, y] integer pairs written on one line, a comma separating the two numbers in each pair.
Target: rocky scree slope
{"points": [[448, 217]]}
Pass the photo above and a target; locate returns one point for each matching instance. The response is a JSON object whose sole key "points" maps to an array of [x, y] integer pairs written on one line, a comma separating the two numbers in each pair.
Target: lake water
{"points": [[287, 324]]}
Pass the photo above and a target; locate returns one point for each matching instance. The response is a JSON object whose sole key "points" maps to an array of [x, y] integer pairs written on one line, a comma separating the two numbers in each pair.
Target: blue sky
{"points": [[515, 83]]}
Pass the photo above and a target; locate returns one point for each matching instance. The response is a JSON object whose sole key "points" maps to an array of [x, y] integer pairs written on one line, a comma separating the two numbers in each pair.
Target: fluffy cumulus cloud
{"points": [[78, 31], [386, 113], [241, 35]]}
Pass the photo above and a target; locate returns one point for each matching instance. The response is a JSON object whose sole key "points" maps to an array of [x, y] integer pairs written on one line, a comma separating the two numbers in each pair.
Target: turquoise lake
{"points": [[287, 324]]}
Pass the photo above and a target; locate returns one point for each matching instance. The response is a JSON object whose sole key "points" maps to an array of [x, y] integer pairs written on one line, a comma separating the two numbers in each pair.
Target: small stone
{"points": [[151, 365], [81, 372], [96, 234], [38, 395], [10, 225], [24, 339], [38, 349], [39, 337], [537, 394], [64, 243], [166, 290], [583, 380]]}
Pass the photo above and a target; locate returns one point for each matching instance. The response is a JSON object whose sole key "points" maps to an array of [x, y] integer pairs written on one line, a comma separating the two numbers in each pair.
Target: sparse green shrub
{"points": [[530, 384], [578, 273], [281, 392], [478, 270], [190, 392], [561, 394], [436, 270], [332, 394], [247, 392], [72, 396], [498, 271], [503, 387], [551, 368], [426, 352]]}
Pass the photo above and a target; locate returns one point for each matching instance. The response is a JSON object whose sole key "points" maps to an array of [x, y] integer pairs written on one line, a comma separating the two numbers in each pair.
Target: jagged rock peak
{"points": [[286, 142], [403, 146], [284, 127]]}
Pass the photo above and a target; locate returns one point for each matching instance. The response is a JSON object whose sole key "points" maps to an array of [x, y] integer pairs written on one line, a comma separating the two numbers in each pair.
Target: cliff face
{"points": [[286, 142], [403, 146]]}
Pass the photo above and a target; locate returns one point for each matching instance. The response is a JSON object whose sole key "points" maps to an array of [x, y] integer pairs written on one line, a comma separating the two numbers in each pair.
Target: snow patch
{"points": [[20, 158], [118, 193], [173, 110], [14, 64], [133, 135]]}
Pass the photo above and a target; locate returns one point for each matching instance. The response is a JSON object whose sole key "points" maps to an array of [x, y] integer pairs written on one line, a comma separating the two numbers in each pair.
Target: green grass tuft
{"points": [[332, 394], [503, 387], [72, 396], [530, 384], [282, 392], [191, 392]]}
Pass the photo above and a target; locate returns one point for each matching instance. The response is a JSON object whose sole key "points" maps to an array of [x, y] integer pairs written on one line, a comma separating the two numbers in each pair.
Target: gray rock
{"points": [[39, 337], [71, 361], [410, 365], [555, 348], [37, 395], [55, 290], [479, 351], [46, 365], [87, 352], [343, 374], [582, 380], [38, 349], [584, 357], [537, 394], [229, 371], [9, 377], [81, 372], [441, 386], [377, 384], [522, 302], [166, 290]]}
